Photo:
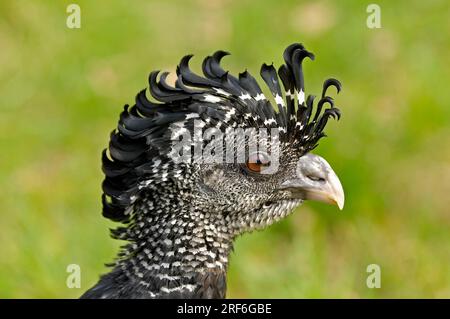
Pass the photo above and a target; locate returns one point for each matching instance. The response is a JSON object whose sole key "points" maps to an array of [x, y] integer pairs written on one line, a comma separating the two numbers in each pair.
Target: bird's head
{"points": [[216, 145]]}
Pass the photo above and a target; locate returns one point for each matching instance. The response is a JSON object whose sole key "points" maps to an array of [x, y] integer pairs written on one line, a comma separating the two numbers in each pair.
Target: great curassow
{"points": [[182, 206]]}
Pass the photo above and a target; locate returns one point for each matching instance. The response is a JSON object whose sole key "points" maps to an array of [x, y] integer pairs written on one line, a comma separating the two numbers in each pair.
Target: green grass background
{"points": [[61, 91]]}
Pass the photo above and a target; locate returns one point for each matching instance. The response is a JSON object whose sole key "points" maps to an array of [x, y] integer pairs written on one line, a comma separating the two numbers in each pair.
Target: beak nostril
{"points": [[316, 178]]}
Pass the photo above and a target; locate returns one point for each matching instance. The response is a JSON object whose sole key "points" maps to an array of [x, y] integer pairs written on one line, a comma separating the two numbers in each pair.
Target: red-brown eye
{"points": [[257, 162]]}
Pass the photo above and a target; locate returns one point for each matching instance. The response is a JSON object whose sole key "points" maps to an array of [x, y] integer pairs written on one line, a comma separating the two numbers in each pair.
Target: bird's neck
{"points": [[178, 253]]}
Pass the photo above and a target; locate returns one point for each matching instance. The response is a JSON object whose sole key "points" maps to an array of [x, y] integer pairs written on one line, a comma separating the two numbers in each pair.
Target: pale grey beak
{"points": [[315, 180]]}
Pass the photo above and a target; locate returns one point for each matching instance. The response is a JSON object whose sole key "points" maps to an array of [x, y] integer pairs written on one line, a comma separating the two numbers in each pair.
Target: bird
{"points": [[180, 193]]}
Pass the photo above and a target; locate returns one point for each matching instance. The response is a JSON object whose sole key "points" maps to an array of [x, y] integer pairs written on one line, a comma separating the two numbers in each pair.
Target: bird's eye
{"points": [[257, 162]]}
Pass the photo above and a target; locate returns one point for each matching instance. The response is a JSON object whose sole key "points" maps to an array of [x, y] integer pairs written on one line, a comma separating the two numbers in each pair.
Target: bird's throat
{"points": [[182, 253]]}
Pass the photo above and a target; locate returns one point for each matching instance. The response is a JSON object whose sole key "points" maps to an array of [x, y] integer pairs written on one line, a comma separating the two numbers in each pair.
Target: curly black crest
{"points": [[221, 100]]}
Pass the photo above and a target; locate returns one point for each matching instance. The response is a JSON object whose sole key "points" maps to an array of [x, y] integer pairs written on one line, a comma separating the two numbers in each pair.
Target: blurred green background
{"points": [[62, 90]]}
